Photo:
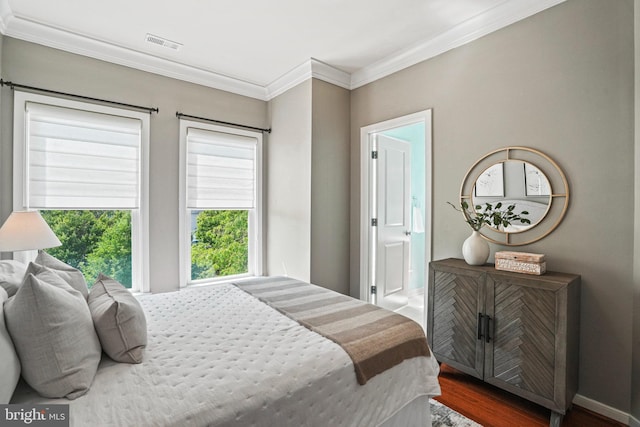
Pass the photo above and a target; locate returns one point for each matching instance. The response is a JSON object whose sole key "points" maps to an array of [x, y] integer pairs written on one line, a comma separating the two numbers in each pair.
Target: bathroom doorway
{"points": [[396, 213]]}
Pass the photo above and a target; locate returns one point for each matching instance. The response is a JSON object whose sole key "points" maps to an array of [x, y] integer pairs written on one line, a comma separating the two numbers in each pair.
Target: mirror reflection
{"points": [[515, 182]]}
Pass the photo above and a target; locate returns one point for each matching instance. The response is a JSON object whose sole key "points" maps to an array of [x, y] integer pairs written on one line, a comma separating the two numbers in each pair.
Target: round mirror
{"points": [[524, 178], [514, 183]]}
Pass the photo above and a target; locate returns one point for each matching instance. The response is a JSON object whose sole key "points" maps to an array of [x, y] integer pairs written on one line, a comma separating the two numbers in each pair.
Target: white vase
{"points": [[475, 249]]}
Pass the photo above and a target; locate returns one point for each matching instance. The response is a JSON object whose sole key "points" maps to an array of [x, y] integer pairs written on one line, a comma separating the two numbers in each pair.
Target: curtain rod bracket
{"points": [[87, 98], [180, 115]]}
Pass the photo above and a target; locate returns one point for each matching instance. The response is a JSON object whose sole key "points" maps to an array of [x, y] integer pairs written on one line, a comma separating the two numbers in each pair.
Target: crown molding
{"points": [[5, 15], [307, 70], [330, 74], [501, 16], [288, 80], [494, 19], [24, 29]]}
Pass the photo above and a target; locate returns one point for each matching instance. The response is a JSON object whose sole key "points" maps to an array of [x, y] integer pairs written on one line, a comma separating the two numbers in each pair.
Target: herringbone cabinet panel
{"points": [[524, 344], [455, 315]]}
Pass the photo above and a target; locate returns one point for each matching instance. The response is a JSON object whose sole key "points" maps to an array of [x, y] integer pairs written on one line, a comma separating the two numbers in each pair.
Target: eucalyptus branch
{"points": [[491, 215]]}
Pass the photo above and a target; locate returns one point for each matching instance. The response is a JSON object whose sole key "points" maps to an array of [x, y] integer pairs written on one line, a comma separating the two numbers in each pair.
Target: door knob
{"points": [[408, 233]]}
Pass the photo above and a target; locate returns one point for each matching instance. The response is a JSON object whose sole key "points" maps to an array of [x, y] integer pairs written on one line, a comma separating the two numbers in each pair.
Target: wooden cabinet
{"points": [[516, 331]]}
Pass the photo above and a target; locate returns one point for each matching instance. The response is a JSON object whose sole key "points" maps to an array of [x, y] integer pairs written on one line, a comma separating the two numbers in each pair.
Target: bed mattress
{"points": [[217, 356]]}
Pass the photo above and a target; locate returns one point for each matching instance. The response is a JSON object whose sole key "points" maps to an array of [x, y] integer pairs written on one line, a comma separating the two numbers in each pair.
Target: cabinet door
{"points": [[455, 300], [520, 356]]}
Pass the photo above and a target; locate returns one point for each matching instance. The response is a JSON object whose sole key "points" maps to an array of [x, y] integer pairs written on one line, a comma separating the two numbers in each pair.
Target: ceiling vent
{"points": [[160, 41]]}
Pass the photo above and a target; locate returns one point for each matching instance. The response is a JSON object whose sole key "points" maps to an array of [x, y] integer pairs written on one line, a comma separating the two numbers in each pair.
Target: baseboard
{"points": [[605, 410]]}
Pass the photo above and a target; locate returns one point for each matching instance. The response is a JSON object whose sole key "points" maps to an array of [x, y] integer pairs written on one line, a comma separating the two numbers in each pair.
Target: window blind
{"points": [[81, 159], [221, 172]]}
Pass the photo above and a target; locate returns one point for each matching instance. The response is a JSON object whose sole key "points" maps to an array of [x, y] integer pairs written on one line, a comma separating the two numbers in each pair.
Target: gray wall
{"points": [[308, 185], [289, 184], [635, 378], [36, 65], [330, 187], [295, 169], [561, 82], [5, 134]]}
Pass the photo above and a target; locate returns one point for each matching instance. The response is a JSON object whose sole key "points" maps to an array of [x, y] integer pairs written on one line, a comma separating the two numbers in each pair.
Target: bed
{"points": [[220, 356]]}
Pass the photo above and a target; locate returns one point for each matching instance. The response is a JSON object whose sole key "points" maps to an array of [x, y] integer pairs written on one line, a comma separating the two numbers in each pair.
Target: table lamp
{"points": [[26, 230]]}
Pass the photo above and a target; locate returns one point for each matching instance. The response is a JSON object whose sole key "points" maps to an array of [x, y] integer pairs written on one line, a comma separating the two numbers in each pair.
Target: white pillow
{"points": [[9, 363], [71, 275], [53, 334], [11, 275]]}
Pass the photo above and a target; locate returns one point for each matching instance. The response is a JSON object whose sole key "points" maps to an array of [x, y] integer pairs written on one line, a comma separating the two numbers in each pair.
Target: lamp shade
{"points": [[26, 230]]}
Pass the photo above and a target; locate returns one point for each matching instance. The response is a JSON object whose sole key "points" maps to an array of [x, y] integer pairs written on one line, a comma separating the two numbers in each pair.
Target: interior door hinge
{"points": [[374, 155], [374, 222], [374, 290]]}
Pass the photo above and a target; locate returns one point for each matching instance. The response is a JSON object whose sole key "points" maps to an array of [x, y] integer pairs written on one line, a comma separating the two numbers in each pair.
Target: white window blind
{"points": [[81, 160], [221, 170]]}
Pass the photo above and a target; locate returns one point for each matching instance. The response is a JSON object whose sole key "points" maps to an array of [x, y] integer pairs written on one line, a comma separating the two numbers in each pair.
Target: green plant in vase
{"points": [[475, 249], [492, 215]]}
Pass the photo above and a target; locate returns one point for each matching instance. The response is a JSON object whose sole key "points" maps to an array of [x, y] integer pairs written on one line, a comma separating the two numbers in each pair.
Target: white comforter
{"points": [[219, 357]]}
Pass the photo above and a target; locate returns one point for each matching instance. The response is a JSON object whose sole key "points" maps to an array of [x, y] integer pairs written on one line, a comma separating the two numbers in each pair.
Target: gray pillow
{"points": [[11, 275], [9, 363], [119, 320], [53, 334], [72, 276]]}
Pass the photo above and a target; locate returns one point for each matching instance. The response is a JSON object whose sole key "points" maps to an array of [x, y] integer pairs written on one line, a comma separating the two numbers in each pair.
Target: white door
{"points": [[393, 229]]}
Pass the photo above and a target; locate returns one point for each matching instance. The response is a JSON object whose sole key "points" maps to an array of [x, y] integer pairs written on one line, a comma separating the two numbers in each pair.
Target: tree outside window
{"points": [[93, 241], [99, 241], [219, 243]]}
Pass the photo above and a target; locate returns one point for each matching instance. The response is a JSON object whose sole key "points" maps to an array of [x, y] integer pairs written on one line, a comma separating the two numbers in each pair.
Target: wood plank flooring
{"points": [[492, 407]]}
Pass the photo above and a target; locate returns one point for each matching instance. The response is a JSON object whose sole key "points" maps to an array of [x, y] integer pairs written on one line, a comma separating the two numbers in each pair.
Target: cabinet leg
{"points": [[556, 419]]}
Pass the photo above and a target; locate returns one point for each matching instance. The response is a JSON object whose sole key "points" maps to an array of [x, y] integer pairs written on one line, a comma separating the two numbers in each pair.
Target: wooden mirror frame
{"points": [[559, 199]]}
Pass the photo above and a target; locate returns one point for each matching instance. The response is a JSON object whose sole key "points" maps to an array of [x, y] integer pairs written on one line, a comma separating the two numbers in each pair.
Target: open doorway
{"points": [[395, 214]]}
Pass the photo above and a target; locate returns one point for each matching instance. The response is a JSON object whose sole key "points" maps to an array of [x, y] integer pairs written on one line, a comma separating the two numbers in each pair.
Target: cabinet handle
{"points": [[487, 328], [480, 325]]}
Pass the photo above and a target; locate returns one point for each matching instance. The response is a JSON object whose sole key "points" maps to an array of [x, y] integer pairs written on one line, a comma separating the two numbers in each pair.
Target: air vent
{"points": [[160, 41]]}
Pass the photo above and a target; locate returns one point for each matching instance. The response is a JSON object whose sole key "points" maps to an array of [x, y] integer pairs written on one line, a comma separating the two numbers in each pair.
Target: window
{"points": [[220, 210], [84, 166]]}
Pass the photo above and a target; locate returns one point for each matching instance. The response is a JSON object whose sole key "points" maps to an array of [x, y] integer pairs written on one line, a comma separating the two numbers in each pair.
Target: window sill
{"points": [[221, 280]]}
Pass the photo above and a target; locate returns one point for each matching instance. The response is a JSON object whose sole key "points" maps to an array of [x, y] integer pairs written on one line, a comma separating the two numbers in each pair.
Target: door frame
{"points": [[366, 134]]}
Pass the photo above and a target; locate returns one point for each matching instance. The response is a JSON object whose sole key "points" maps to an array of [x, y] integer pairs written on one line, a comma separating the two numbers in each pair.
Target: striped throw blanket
{"points": [[376, 339]]}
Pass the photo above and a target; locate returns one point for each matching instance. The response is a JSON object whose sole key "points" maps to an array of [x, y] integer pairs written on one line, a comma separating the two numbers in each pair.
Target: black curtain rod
{"points": [[179, 115], [88, 98]]}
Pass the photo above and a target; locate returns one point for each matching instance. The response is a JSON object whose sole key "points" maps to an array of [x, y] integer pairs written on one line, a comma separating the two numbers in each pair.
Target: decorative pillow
{"points": [[9, 363], [11, 275], [119, 320], [53, 334], [71, 275]]}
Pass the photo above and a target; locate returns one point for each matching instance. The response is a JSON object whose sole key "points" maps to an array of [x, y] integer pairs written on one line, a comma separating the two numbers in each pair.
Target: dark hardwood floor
{"points": [[492, 407]]}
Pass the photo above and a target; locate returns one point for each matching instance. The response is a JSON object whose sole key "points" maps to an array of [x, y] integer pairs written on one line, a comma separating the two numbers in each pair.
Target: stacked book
{"points": [[521, 262]]}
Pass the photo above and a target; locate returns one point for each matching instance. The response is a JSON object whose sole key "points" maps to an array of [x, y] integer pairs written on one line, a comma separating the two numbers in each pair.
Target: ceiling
{"points": [[260, 48]]}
